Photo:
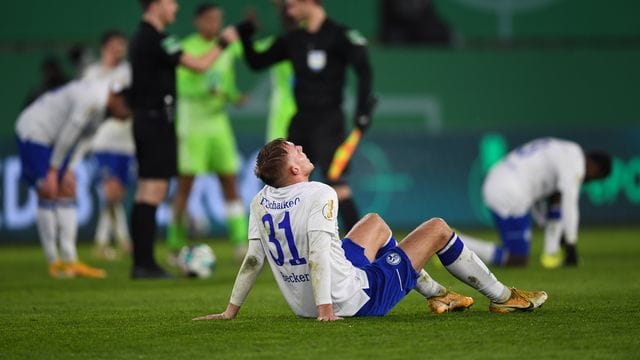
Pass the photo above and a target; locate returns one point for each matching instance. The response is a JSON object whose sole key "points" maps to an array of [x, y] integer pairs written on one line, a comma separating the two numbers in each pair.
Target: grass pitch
{"points": [[592, 312]]}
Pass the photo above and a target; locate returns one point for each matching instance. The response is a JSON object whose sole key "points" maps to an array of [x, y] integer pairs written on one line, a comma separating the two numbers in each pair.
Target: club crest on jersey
{"points": [[316, 60], [393, 258], [327, 210]]}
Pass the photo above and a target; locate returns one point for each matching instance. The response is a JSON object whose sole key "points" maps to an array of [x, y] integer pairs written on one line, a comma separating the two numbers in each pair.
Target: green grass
{"points": [[592, 312]]}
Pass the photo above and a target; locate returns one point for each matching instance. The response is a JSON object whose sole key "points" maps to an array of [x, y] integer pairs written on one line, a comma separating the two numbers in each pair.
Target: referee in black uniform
{"points": [[320, 52], [154, 56]]}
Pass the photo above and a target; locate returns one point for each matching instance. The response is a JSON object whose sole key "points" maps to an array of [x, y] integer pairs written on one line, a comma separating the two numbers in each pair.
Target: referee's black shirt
{"points": [[319, 60], [154, 57]]}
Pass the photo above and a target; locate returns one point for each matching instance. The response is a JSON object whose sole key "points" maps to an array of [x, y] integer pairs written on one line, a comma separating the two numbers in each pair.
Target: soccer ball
{"points": [[197, 261]]}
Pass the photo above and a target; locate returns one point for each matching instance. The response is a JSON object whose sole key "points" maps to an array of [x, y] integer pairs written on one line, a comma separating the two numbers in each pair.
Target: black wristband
{"points": [[223, 43]]}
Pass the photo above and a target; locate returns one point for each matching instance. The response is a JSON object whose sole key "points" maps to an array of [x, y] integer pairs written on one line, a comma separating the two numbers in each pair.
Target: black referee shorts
{"points": [[156, 145], [319, 134]]}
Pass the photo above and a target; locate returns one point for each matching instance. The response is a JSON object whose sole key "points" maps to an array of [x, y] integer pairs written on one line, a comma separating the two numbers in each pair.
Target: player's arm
{"points": [[171, 52], [320, 266], [249, 271], [203, 62], [229, 86], [70, 133], [570, 193], [275, 53], [357, 56], [117, 106], [569, 187]]}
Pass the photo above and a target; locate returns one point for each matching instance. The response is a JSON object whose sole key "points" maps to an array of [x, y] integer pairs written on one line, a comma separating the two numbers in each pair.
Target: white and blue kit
{"points": [[296, 230], [527, 175], [113, 146], [51, 127]]}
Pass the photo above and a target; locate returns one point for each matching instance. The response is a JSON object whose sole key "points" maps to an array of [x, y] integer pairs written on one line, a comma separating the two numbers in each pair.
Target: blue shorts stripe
{"points": [[452, 253], [554, 213]]}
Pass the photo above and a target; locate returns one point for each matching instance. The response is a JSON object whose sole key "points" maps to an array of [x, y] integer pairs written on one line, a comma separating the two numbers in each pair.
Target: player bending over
{"points": [[48, 132], [292, 223], [540, 179]]}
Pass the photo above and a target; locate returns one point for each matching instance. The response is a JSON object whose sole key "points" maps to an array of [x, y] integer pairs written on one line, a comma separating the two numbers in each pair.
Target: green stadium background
{"points": [[517, 70]]}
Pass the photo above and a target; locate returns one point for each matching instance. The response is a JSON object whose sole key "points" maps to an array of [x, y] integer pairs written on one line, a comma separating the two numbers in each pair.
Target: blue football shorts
{"points": [[34, 162], [115, 165], [391, 277], [515, 232]]}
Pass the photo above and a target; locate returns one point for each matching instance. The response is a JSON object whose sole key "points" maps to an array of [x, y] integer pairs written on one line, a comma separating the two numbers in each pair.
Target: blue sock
{"points": [[451, 251]]}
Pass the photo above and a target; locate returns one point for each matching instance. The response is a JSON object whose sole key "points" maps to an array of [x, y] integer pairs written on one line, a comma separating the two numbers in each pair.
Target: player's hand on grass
{"points": [[325, 313], [221, 316], [228, 314], [329, 318]]}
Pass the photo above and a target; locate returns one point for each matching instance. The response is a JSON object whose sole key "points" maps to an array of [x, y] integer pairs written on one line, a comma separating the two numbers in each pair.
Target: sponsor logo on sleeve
{"points": [[171, 45], [327, 210], [356, 38]]}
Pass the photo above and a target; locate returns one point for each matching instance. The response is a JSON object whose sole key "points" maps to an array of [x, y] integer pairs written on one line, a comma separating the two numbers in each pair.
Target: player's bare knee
{"points": [[440, 228], [377, 221]]}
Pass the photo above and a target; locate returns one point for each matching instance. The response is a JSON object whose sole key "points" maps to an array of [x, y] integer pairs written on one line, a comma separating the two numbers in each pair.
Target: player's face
{"points": [[298, 158], [297, 9], [168, 10], [116, 48], [210, 23]]}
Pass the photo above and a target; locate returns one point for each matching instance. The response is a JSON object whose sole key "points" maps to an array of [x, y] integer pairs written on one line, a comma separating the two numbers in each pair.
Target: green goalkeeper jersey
{"points": [[206, 94], [282, 106]]}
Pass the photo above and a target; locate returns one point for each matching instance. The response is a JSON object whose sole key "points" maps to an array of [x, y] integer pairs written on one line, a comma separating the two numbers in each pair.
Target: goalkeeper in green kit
{"points": [[206, 142]]}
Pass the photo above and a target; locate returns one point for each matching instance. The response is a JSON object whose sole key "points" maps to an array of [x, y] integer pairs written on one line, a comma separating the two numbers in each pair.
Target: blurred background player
{"points": [[113, 149], [154, 56], [320, 52], [205, 138], [48, 132], [540, 178], [52, 77]]}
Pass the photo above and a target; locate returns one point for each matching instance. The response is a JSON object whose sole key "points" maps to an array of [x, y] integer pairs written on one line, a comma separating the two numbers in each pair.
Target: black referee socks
{"points": [[143, 234]]}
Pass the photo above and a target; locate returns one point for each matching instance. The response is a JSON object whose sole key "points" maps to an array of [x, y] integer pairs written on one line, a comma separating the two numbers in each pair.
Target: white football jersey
{"points": [[66, 115], [113, 136], [120, 75], [285, 220], [531, 173]]}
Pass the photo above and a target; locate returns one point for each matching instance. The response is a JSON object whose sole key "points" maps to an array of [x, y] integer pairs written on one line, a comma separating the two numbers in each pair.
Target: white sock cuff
{"points": [[450, 243]]}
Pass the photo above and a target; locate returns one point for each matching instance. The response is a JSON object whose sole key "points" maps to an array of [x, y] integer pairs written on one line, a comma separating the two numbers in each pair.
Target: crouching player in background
{"points": [[292, 224], [540, 179], [48, 131], [114, 150]]}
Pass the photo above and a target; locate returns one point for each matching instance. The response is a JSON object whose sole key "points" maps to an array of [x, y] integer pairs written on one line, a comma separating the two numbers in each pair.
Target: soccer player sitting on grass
{"points": [[540, 179], [292, 223], [48, 132]]}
